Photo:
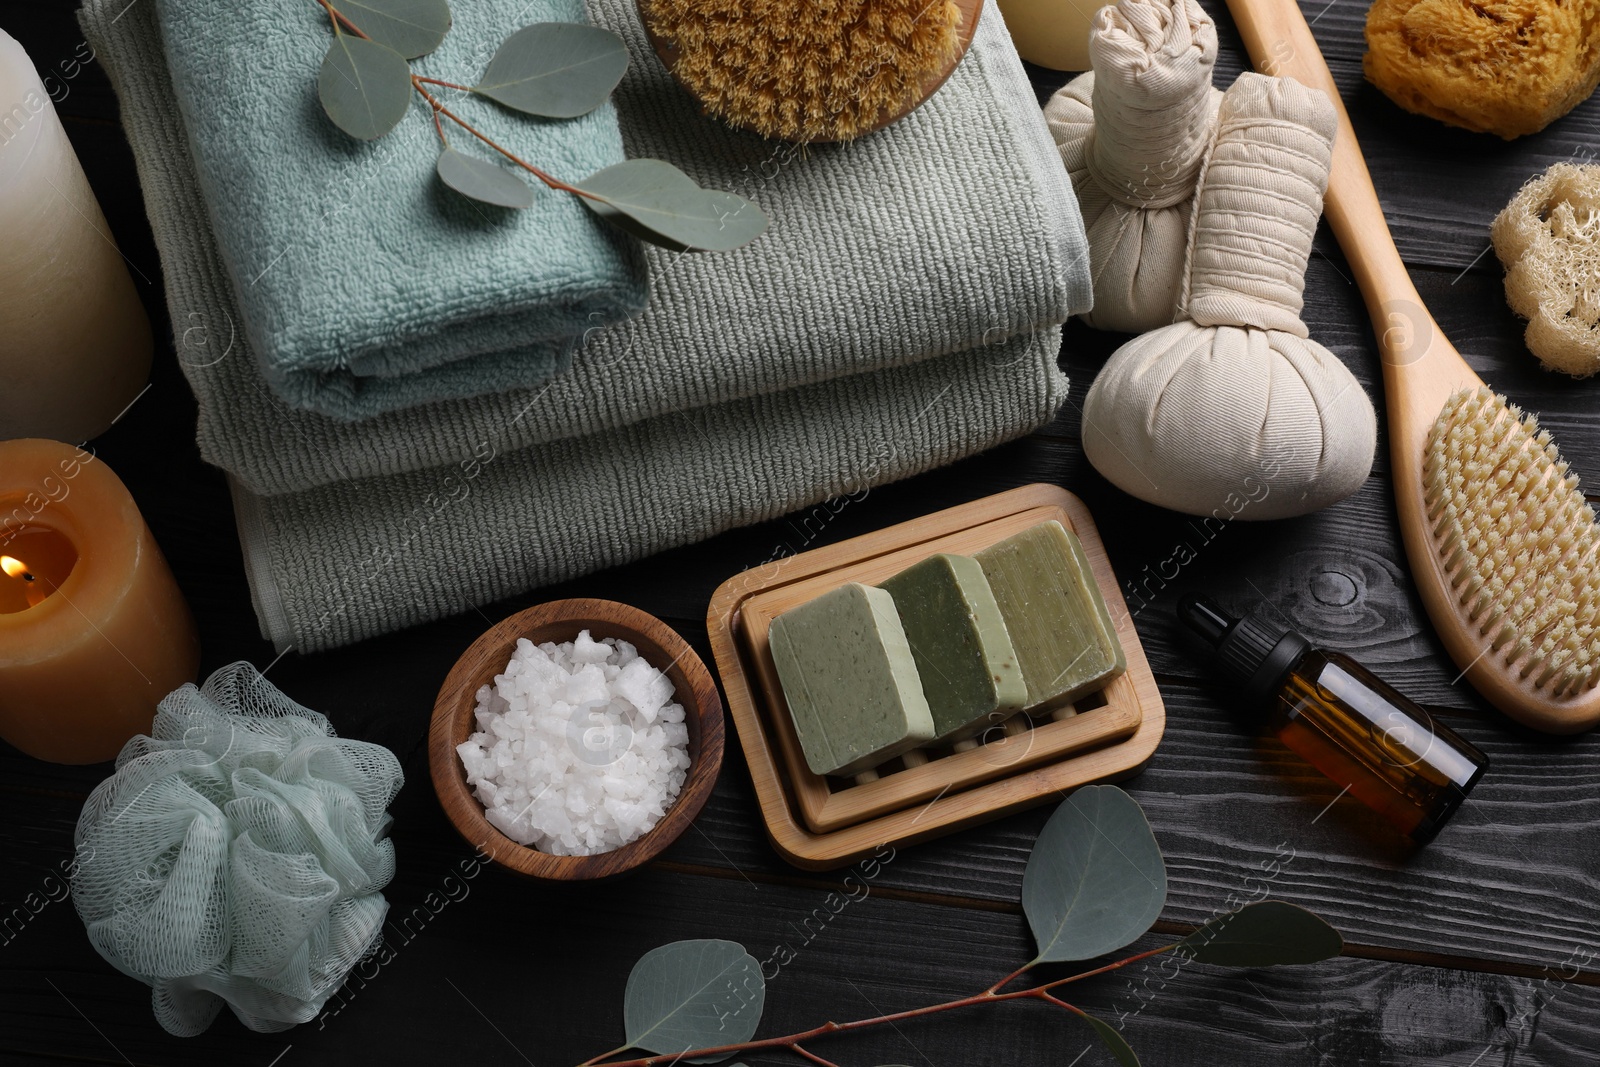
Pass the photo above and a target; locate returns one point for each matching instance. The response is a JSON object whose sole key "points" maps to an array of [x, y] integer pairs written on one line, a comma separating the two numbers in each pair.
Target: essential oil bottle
{"points": [[1350, 725]]}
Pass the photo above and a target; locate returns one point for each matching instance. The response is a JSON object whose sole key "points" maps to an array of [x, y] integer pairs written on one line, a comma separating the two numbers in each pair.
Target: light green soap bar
{"points": [[970, 674], [850, 680], [1057, 619]]}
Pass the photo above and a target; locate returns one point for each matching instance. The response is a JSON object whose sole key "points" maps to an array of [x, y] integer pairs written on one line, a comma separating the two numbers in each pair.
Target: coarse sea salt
{"points": [[579, 749]]}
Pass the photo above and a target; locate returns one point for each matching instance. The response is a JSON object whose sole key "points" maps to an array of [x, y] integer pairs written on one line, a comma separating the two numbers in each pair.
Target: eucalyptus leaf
{"points": [[639, 230], [411, 27], [1263, 934], [693, 994], [1110, 1037], [365, 87], [664, 201], [557, 70], [482, 180], [1096, 880]]}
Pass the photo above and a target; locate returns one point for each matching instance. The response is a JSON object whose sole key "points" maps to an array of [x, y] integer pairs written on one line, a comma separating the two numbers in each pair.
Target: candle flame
{"points": [[13, 567]]}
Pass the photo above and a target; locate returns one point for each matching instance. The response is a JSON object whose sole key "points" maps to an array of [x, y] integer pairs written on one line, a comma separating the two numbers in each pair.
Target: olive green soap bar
{"points": [[970, 674], [850, 680], [1057, 619]]}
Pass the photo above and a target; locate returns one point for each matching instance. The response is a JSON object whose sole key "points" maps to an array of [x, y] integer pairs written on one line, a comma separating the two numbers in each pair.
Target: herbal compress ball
{"points": [[1235, 411], [1133, 134], [237, 856]]}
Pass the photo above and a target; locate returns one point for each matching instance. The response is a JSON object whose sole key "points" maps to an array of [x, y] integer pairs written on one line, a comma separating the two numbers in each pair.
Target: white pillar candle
{"points": [[74, 339], [1051, 33]]}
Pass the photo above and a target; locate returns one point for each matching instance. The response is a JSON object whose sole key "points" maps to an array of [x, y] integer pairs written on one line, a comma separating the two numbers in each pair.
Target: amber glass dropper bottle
{"points": [[1350, 725]]}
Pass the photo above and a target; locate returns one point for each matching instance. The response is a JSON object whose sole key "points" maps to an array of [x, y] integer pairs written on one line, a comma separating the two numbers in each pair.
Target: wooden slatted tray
{"points": [[819, 822]]}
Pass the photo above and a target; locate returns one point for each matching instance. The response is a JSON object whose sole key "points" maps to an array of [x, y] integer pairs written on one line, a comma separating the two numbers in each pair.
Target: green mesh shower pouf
{"points": [[237, 855]]}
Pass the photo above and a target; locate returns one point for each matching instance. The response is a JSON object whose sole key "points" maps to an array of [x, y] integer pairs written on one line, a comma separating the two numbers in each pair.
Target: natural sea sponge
{"points": [[1236, 412], [1133, 134], [1508, 67], [1548, 238]]}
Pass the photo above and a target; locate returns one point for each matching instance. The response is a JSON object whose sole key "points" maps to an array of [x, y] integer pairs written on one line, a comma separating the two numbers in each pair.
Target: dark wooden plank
{"points": [[1332, 575], [382, 689], [1223, 802], [1510, 887], [497, 971], [1511, 880]]}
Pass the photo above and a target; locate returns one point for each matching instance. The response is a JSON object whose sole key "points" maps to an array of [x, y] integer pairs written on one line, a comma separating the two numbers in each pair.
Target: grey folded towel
{"points": [[901, 314], [953, 228], [338, 564]]}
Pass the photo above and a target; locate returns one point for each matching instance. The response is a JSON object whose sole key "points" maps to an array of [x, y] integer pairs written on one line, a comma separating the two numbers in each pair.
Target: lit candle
{"points": [[76, 342], [1051, 33], [93, 629]]}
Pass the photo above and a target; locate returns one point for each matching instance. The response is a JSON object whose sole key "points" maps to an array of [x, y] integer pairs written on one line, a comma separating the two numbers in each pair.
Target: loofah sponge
{"points": [[804, 70], [1548, 238], [1508, 67], [1235, 412], [237, 856], [1133, 133]]}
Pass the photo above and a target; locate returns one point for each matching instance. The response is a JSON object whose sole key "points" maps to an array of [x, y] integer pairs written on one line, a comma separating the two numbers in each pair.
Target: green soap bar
{"points": [[850, 680], [970, 674], [1057, 619]]}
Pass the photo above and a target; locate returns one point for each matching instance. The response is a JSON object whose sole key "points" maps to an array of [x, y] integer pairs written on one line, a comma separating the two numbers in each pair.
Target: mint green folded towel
{"points": [[362, 284]]}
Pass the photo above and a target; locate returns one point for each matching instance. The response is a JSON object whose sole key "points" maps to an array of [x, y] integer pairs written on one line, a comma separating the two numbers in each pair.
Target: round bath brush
{"points": [[810, 70]]}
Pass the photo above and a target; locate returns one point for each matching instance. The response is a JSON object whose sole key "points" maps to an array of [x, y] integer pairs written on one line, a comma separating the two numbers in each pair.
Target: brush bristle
{"points": [[806, 70], [1517, 540]]}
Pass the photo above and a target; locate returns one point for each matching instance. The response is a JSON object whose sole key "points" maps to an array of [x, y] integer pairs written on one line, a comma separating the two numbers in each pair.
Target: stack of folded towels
{"points": [[425, 404]]}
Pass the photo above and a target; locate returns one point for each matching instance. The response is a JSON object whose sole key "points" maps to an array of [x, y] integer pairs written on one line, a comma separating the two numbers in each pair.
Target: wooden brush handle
{"points": [[1280, 43], [1420, 371]]}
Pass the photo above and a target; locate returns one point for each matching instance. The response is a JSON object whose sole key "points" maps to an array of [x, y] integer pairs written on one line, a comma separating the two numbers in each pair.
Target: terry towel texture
{"points": [[338, 564], [362, 285], [953, 228], [900, 313]]}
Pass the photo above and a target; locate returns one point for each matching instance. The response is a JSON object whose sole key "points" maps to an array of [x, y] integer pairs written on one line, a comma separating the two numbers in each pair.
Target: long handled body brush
{"points": [[1501, 543]]}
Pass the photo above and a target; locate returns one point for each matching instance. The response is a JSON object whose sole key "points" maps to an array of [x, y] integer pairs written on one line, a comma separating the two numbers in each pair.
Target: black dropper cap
{"points": [[1252, 654]]}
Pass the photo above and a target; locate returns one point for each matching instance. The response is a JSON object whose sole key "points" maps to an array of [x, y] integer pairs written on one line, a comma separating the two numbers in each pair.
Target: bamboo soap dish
{"points": [[822, 822]]}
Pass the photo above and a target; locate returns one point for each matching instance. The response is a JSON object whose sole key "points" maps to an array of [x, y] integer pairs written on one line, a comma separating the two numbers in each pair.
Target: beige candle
{"points": [[74, 339], [1051, 33], [93, 629]]}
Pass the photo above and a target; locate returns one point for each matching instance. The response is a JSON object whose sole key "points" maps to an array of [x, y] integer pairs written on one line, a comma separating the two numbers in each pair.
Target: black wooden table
{"points": [[1480, 949]]}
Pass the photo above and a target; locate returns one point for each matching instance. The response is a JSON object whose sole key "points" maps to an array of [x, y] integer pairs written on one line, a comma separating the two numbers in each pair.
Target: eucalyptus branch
{"points": [[1012, 977], [1108, 967], [338, 17], [1082, 901], [551, 71], [439, 109], [792, 1042], [441, 81]]}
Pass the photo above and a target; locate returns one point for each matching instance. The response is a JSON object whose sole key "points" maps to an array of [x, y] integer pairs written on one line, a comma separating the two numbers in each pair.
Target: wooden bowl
{"points": [[560, 621]]}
